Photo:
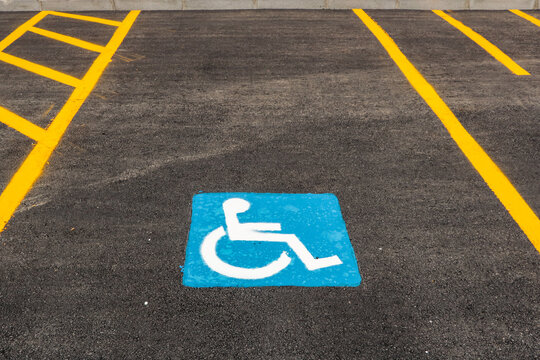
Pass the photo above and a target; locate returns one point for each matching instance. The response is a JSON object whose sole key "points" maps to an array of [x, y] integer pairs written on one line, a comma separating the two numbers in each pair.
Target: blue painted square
{"points": [[268, 240]]}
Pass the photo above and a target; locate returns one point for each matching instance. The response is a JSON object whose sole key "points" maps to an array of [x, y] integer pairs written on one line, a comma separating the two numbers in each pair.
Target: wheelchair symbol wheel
{"points": [[209, 255]]}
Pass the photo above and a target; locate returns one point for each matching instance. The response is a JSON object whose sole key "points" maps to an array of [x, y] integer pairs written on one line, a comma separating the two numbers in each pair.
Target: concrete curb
{"points": [[92, 5]]}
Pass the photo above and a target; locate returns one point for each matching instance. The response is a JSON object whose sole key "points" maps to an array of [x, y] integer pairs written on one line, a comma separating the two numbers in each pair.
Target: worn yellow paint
{"points": [[85, 18], [528, 17], [40, 70], [47, 111], [22, 125], [484, 44], [68, 39], [34, 163], [492, 175]]}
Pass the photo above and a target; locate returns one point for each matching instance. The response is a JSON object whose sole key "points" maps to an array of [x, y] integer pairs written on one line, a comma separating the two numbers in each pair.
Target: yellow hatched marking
{"points": [[21, 30], [86, 18], [528, 17], [22, 125], [68, 39], [40, 70], [34, 163], [60, 123], [492, 175], [484, 44]]}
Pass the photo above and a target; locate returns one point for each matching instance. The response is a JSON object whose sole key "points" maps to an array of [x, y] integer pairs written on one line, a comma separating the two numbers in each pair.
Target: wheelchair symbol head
{"points": [[235, 206]]}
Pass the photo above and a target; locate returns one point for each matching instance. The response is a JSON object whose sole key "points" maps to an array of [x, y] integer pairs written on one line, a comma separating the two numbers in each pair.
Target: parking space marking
{"points": [[33, 165], [528, 17], [68, 39], [86, 18], [523, 215], [483, 43]]}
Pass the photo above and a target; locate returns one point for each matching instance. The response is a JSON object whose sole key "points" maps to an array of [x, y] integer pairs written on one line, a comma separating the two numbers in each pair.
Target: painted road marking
{"points": [[17, 33], [40, 70], [528, 17], [68, 39], [86, 18], [492, 175], [304, 242], [22, 125], [34, 163], [484, 44]]}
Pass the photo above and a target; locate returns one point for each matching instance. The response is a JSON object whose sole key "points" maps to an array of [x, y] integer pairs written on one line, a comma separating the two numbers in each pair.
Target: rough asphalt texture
{"points": [[273, 101]]}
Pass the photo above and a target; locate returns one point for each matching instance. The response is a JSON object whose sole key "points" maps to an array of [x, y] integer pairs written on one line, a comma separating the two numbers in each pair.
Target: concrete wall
{"points": [[88, 5]]}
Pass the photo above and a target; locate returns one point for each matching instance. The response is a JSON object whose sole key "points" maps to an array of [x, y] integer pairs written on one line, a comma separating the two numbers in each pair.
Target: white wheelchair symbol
{"points": [[256, 232]]}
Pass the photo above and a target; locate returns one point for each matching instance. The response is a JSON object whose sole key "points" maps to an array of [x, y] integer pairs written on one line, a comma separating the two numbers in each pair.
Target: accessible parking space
{"points": [[277, 103]]}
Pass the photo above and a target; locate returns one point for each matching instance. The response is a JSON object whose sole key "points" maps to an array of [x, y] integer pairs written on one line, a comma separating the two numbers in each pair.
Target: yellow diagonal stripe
{"points": [[21, 30], [68, 39], [33, 165], [22, 125], [61, 122], [484, 44], [528, 17], [40, 70], [492, 175], [85, 18]]}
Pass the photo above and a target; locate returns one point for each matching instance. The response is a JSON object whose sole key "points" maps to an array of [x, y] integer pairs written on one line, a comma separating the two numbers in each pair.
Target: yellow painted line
{"points": [[33, 165], [492, 175], [62, 120], [532, 19], [22, 125], [86, 18], [40, 70], [68, 39], [484, 44], [17, 33]]}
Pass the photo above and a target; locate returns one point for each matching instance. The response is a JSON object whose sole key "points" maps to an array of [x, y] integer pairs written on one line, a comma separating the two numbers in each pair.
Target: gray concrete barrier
{"points": [[89, 5]]}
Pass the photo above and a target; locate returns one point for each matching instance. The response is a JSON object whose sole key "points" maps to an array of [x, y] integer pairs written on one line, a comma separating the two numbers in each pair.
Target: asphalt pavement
{"points": [[273, 102]]}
